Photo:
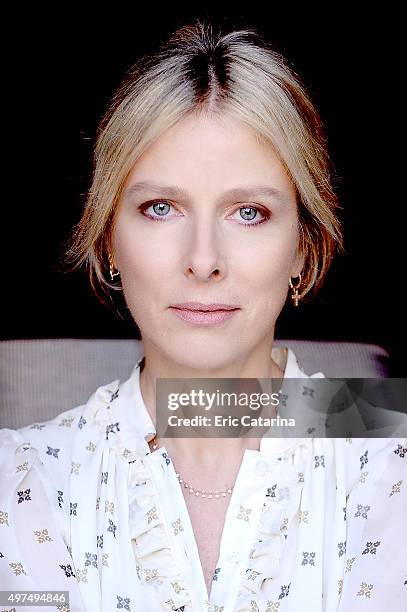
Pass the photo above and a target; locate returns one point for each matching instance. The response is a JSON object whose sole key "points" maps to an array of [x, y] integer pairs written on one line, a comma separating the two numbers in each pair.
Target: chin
{"points": [[201, 357]]}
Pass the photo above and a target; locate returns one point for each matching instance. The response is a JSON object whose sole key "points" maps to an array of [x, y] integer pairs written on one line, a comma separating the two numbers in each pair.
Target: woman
{"points": [[211, 199]]}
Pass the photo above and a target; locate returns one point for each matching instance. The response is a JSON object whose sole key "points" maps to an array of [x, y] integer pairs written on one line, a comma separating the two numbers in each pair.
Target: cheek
{"points": [[266, 277], [267, 266], [137, 255]]}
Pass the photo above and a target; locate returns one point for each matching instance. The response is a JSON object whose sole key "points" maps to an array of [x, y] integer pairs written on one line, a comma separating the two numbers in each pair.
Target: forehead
{"points": [[210, 152], [202, 132]]}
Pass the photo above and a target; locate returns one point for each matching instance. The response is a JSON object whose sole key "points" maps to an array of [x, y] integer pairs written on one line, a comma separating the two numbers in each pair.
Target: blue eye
{"points": [[246, 210], [162, 207], [159, 207]]}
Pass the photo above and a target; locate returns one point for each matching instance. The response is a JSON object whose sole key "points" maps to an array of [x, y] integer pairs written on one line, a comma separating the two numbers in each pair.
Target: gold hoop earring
{"points": [[295, 296], [111, 267]]}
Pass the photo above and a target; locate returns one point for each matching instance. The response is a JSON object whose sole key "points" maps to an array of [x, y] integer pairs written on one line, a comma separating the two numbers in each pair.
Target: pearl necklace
{"points": [[192, 490]]}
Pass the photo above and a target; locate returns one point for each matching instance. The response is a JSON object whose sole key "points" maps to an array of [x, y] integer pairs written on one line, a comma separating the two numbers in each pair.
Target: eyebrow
{"points": [[173, 191]]}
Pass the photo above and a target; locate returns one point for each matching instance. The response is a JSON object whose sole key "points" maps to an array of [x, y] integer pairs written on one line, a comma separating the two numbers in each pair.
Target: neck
{"points": [[204, 455]]}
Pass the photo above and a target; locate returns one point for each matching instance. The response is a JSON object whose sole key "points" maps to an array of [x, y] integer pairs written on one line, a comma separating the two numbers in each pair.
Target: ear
{"points": [[298, 264], [111, 248]]}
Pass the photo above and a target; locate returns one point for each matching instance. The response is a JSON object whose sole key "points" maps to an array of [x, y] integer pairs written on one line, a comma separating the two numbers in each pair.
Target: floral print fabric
{"points": [[313, 524]]}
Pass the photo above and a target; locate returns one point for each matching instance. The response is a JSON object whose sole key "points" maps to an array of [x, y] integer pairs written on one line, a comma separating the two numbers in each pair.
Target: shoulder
{"points": [[51, 439], [52, 443], [294, 369], [369, 458]]}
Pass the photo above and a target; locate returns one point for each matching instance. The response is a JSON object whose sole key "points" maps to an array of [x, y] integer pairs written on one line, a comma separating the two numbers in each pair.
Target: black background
{"points": [[61, 71]]}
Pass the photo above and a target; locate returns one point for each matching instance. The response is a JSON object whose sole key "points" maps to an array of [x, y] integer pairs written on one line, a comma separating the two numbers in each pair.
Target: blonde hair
{"points": [[198, 70]]}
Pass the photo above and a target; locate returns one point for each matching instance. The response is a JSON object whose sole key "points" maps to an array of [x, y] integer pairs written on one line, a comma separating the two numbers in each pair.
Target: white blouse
{"points": [[313, 524]]}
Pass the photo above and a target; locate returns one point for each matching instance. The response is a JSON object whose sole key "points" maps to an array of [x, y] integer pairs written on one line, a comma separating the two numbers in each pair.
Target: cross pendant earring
{"points": [[294, 297]]}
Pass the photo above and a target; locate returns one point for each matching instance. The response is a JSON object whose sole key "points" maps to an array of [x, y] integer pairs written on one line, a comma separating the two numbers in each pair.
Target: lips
{"points": [[200, 307], [204, 317]]}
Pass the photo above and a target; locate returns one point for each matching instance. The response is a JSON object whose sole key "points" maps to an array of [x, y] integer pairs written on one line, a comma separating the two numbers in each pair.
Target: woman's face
{"points": [[214, 235]]}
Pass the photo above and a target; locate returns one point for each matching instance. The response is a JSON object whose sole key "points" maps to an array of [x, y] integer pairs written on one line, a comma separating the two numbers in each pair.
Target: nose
{"points": [[205, 252]]}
